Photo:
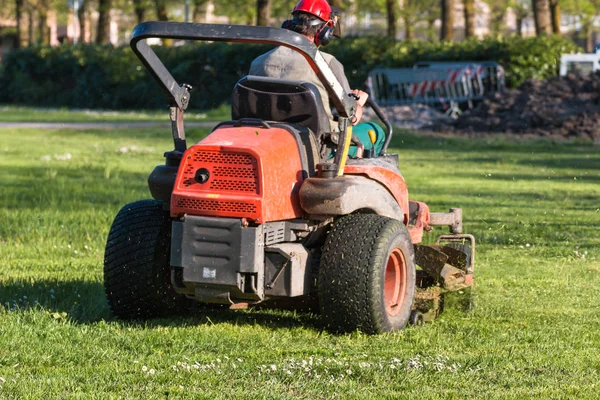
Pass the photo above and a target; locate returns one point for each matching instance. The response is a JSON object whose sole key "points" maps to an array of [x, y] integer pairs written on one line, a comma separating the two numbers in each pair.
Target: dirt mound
{"points": [[563, 106], [415, 116]]}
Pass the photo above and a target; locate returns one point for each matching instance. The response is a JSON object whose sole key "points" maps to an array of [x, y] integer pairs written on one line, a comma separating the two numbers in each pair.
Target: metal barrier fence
{"points": [[445, 84]]}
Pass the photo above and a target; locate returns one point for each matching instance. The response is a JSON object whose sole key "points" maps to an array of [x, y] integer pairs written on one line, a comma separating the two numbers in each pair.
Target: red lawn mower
{"points": [[259, 211]]}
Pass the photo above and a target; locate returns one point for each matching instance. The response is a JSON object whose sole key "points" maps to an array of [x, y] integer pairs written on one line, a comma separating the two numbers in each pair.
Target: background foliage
{"points": [[106, 77]]}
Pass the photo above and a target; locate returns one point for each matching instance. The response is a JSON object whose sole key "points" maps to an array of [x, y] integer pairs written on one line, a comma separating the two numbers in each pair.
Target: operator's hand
{"points": [[361, 99]]}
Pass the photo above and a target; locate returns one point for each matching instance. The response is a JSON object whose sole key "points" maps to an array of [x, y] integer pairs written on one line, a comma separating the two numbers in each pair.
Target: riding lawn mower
{"points": [[269, 208]]}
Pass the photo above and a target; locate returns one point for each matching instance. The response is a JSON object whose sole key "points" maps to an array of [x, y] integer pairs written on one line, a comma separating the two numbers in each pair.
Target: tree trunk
{"points": [[81, 18], [469, 6], [541, 16], [431, 34], [140, 10], [263, 12], [43, 31], [407, 18], [161, 10], [497, 22], [30, 38], [103, 32], [197, 11], [520, 20], [447, 32], [555, 16], [391, 18], [19, 14], [587, 31]]}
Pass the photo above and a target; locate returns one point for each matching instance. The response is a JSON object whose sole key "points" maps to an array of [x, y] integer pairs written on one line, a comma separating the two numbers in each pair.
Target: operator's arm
{"points": [[338, 71]]}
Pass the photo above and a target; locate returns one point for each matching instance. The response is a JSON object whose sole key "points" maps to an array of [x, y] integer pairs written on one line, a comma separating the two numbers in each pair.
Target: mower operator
{"points": [[316, 20]]}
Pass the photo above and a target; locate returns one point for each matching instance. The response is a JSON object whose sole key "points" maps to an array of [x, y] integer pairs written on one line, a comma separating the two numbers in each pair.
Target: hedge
{"points": [[104, 77]]}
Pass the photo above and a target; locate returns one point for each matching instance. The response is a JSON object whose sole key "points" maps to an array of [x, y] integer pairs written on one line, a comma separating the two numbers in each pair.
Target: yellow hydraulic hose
{"points": [[345, 151]]}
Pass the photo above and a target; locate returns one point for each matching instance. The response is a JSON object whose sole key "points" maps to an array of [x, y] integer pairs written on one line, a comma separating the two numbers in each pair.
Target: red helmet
{"points": [[319, 8]]}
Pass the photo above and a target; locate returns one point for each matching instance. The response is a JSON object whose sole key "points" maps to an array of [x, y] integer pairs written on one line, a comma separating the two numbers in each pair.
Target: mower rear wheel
{"points": [[137, 278], [367, 275]]}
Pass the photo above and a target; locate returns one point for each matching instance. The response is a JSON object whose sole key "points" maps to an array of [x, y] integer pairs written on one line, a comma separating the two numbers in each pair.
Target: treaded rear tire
{"points": [[352, 274], [136, 263]]}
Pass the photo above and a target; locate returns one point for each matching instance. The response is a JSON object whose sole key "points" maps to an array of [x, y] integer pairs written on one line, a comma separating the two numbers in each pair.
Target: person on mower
{"points": [[316, 20]]}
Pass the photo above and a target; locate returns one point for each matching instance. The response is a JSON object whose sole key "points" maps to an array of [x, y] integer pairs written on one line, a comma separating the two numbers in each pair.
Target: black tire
{"points": [[352, 274], [137, 279], [416, 319]]}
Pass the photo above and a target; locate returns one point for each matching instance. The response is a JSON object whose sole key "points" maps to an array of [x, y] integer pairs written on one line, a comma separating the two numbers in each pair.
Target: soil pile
{"points": [[564, 106], [416, 116]]}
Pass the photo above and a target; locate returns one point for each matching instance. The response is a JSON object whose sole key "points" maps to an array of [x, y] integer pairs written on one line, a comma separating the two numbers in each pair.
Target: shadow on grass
{"points": [[83, 302]]}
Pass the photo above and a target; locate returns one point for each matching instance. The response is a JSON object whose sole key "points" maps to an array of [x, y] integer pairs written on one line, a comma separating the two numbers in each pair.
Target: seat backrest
{"points": [[279, 100]]}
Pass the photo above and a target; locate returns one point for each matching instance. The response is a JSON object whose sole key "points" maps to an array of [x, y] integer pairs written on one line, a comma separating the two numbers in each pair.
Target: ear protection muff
{"points": [[325, 33]]}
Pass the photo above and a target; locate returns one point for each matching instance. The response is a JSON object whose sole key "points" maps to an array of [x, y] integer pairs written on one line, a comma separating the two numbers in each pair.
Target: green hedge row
{"points": [[113, 78]]}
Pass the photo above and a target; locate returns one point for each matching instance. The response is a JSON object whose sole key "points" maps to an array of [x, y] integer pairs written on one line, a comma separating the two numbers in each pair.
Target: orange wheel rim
{"points": [[394, 282]]}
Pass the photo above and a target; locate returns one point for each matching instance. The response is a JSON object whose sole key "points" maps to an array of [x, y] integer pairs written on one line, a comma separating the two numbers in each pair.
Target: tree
{"points": [[469, 11], [161, 10], [498, 10], [198, 10], [263, 12], [390, 6], [81, 13], [43, 31], [555, 16], [521, 10], [19, 15], [408, 12], [586, 12], [139, 8], [541, 16], [103, 31], [447, 7]]}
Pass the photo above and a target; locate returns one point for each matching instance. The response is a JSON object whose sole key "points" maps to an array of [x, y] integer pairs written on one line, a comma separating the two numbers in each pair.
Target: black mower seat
{"points": [[279, 100]]}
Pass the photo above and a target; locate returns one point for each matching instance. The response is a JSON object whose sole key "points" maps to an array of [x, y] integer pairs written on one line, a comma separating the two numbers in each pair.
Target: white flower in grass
{"points": [[144, 368], [2, 380], [151, 372]]}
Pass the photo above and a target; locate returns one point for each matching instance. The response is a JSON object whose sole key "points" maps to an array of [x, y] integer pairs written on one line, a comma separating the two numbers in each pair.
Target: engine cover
{"points": [[241, 172]]}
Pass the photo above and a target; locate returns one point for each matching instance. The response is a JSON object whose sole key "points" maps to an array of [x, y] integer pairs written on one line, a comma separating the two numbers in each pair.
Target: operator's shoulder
{"points": [[263, 57]]}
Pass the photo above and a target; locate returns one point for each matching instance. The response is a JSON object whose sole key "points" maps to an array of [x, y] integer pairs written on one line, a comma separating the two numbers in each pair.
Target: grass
{"points": [[533, 206], [29, 114]]}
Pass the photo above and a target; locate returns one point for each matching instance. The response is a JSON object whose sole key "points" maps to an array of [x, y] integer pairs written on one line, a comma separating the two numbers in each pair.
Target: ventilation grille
{"points": [[216, 206], [229, 172], [234, 185], [223, 158]]}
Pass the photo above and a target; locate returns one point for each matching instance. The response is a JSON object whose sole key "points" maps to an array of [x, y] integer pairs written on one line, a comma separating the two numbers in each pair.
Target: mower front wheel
{"points": [[367, 275], [137, 278]]}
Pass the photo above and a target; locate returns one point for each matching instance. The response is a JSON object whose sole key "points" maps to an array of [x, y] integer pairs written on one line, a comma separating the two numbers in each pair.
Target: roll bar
{"points": [[178, 95]]}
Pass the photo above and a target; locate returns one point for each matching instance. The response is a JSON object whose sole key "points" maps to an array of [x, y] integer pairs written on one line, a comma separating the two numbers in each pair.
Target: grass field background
{"points": [[533, 206], [28, 114]]}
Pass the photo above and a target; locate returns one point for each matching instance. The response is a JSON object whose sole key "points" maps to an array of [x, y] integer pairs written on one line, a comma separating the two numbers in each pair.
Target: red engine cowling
{"points": [[251, 172]]}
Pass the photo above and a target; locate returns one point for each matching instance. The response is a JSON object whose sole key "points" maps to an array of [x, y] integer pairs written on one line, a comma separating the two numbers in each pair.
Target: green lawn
{"points": [[29, 114], [535, 331]]}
